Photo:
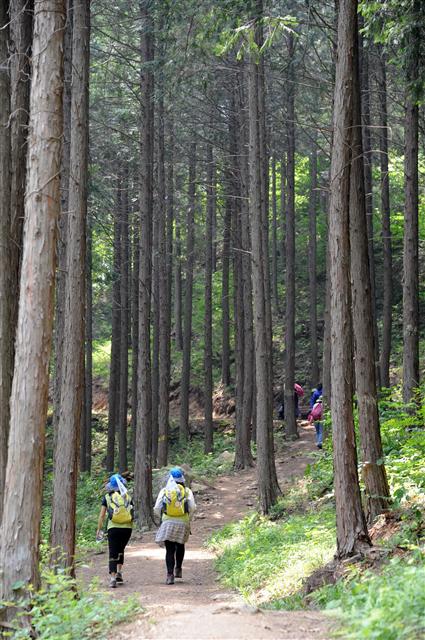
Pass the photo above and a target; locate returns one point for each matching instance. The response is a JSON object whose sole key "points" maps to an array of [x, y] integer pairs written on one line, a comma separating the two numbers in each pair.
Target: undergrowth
{"points": [[268, 558], [64, 610]]}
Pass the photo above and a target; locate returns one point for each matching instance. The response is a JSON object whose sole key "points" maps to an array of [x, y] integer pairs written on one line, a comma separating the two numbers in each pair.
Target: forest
{"points": [[207, 210]]}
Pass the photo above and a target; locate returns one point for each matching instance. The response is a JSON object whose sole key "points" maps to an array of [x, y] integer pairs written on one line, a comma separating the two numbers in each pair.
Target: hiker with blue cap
{"points": [[117, 503], [175, 505]]}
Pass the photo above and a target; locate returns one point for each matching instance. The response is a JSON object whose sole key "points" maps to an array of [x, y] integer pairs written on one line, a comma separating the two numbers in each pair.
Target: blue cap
{"points": [[113, 481], [177, 474]]}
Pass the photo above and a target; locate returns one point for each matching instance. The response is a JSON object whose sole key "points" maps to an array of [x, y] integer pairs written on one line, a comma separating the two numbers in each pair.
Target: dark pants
{"points": [[117, 542], [174, 555]]}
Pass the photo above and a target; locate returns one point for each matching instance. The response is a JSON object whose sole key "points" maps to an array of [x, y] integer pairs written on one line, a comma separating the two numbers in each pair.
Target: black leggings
{"points": [[117, 540], [174, 555]]}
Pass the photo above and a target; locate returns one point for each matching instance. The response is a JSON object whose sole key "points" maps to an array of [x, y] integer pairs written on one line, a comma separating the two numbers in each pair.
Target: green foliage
{"points": [[267, 561], [206, 464], [64, 610], [389, 605]]}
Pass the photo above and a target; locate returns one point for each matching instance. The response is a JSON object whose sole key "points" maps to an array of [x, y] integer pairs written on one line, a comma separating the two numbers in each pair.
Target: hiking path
{"points": [[198, 606]]}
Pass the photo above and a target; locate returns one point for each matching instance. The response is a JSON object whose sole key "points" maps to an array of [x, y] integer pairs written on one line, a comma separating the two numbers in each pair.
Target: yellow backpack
{"points": [[120, 509], [175, 502]]}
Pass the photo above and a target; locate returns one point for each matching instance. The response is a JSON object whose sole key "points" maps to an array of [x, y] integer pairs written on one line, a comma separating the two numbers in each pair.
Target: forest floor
{"points": [[198, 607]]}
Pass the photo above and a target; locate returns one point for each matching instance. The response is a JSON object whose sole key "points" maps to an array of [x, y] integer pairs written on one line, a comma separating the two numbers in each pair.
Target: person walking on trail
{"points": [[316, 416], [175, 505], [315, 395], [118, 506]]}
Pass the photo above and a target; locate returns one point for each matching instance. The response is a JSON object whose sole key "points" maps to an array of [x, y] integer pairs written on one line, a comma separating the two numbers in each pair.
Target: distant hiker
{"points": [[117, 503], [298, 393], [316, 416], [175, 506], [315, 395]]}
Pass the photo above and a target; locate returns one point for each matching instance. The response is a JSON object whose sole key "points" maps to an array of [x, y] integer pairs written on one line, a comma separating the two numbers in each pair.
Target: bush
{"points": [[62, 612]]}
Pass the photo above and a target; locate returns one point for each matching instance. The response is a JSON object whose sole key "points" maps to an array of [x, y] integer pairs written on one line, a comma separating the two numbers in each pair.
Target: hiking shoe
{"points": [[113, 583], [170, 578], [119, 578], [319, 446], [178, 572]]}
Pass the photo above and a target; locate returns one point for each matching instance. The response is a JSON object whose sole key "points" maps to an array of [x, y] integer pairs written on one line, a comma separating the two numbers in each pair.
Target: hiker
{"points": [[315, 395], [298, 393], [316, 415], [117, 503], [175, 506]]}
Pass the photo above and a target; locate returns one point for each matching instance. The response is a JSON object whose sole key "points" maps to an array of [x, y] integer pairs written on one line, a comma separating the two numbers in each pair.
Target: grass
{"points": [[268, 560], [64, 610]]}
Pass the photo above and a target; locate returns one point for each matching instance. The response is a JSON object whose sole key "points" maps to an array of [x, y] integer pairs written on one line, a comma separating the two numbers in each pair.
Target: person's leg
{"points": [[180, 549], [319, 434], [170, 560], [114, 551], [124, 539]]}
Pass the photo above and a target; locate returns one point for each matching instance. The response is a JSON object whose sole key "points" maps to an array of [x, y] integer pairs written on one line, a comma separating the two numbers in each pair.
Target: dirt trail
{"points": [[197, 607]]}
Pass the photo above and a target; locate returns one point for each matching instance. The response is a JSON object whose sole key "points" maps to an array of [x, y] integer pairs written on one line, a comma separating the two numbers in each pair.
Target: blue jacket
{"points": [[315, 396]]}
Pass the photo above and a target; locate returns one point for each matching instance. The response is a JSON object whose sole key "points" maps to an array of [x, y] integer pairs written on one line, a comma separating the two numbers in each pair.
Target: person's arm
{"points": [[102, 515], [191, 503], [158, 504]]}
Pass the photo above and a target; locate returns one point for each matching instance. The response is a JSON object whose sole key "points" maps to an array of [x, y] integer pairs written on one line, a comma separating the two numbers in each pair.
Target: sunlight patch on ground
{"points": [[191, 554]]}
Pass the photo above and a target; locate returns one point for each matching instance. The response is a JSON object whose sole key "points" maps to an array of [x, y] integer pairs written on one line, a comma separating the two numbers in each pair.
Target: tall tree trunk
{"points": [[225, 302], [157, 212], [187, 331], [368, 186], [20, 530], [386, 224], [374, 475], [143, 460], [72, 378], [327, 345], [208, 372], [21, 26], [411, 208], [86, 446], [63, 223], [124, 323], [265, 456], [312, 276], [178, 327], [244, 356], [291, 430], [274, 236], [6, 293], [166, 247], [114, 369], [352, 533], [134, 333]]}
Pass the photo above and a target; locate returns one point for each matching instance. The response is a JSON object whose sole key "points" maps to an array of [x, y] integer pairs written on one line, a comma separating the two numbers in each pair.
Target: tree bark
{"points": [[63, 223], [373, 470], [72, 374], [274, 236], [291, 430], [267, 488], [187, 331], [386, 224], [225, 302], [178, 327], [124, 324], [166, 249], [312, 275], [143, 460], [208, 372], [411, 223], [86, 446], [352, 533], [114, 370], [6, 292], [20, 530], [134, 333], [368, 187], [21, 27]]}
